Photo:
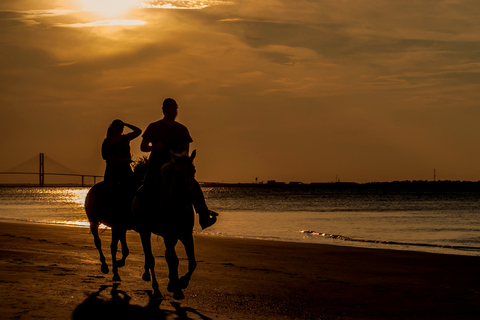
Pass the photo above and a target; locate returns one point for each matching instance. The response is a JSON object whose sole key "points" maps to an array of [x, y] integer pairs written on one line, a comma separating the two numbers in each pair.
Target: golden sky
{"points": [[371, 90]]}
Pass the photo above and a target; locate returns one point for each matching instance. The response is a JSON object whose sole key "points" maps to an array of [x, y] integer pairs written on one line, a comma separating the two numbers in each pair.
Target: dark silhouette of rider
{"points": [[162, 137], [116, 152]]}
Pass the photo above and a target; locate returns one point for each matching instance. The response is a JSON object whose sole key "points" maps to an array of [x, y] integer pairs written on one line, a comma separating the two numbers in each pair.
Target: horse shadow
{"points": [[119, 307]]}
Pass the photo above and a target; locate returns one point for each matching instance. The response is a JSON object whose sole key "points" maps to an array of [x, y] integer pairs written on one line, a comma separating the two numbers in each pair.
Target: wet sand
{"points": [[53, 272]]}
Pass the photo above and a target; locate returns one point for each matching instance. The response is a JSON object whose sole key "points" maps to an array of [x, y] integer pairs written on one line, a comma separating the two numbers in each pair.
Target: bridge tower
{"points": [[41, 170]]}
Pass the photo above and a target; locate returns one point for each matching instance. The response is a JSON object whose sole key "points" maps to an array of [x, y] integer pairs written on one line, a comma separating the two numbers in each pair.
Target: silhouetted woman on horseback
{"points": [[109, 202], [116, 152]]}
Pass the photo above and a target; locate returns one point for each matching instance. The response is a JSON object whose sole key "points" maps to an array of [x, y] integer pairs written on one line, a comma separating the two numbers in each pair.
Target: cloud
{"points": [[384, 42], [65, 64], [352, 86], [119, 88], [31, 14], [103, 23], [181, 4], [33, 17]]}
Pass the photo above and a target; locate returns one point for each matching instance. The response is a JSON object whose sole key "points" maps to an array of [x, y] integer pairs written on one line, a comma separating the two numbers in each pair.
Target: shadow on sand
{"points": [[119, 307]]}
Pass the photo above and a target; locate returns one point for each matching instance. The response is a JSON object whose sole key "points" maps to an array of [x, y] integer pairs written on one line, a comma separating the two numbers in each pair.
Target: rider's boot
{"points": [[207, 218]]}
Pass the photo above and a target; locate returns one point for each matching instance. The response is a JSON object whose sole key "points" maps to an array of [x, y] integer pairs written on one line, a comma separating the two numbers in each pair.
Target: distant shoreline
{"points": [[415, 185], [33, 185], [406, 184]]}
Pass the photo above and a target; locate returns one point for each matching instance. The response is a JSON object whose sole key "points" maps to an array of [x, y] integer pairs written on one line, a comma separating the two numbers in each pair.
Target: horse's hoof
{"points": [[183, 282], [116, 278], [104, 268], [146, 276], [178, 295]]}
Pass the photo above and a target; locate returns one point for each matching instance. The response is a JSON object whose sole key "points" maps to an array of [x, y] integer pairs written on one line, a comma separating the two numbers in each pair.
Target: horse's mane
{"points": [[175, 159], [140, 166]]}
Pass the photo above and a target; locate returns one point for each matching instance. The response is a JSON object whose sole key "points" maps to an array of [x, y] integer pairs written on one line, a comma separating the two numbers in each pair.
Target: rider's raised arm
{"points": [[136, 131]]}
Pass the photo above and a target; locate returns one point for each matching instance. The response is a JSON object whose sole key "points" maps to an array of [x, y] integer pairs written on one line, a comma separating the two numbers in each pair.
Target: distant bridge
{"points": [[41, 173]]}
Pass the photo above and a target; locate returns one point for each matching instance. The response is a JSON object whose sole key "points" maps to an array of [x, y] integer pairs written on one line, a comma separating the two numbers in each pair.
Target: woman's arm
{"points": [[136, 131]]}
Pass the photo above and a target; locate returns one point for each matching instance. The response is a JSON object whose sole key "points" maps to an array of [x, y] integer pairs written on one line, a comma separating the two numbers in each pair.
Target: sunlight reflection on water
{"points": [[69, 195]]}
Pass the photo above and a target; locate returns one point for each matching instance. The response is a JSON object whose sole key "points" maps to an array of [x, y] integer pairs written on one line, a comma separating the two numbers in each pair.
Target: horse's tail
{"points": [[92, 204]]}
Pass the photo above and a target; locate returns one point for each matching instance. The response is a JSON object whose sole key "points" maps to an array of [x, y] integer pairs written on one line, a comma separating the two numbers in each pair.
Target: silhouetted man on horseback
{"points": [[160, 139]]}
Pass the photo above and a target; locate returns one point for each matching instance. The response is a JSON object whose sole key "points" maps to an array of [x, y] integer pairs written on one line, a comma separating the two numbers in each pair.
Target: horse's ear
{"points": [[192, 156]]}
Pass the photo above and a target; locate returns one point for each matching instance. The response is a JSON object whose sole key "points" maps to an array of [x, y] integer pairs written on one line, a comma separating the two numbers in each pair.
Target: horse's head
{"points": [[183, 166], [180, 172]]}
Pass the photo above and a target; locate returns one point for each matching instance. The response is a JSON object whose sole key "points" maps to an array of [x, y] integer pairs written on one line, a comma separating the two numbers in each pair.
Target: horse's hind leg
{"points": [[125, 252], [147, 252], [114, 248], [192, 262], [98, 244], [149, 262]]}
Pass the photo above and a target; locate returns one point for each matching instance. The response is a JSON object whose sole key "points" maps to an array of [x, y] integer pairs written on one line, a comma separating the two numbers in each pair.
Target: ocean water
{"points": [[445, 222]]}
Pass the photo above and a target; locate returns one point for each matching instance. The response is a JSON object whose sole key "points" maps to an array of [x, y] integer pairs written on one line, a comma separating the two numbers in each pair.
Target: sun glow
{"points": [[110, 8]]}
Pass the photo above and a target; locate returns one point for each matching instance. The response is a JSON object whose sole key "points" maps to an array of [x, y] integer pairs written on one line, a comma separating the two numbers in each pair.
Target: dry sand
{"points": [[53, 272]]}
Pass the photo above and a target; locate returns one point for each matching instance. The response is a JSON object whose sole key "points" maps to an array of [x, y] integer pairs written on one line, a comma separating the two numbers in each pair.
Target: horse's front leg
{"points": [[188, 243], [172, 262], [145, 236], [114, 247], [98, 245]]}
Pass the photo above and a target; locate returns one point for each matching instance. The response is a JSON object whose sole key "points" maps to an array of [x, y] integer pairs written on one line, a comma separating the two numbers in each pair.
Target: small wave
{"points": [[398, 243], [53, 222]]}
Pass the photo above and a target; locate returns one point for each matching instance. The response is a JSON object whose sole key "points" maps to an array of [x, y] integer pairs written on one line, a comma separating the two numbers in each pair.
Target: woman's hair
{"points": [[115, 124]]}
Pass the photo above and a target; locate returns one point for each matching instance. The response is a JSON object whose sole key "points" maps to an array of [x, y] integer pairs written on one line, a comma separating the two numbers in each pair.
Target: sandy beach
{"points": [[53, 272]]}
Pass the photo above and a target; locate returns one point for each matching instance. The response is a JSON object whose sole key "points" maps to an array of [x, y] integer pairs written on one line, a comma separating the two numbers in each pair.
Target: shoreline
{"points": [[53, 272], [354, 243]]}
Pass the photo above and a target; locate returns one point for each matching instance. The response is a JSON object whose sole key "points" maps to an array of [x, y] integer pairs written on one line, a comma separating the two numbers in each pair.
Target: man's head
{"points": [[170, 109]]}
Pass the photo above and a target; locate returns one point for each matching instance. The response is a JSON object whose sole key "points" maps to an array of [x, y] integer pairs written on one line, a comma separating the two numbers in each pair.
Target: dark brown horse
{"points": [[167, 211], [111, 205]]}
